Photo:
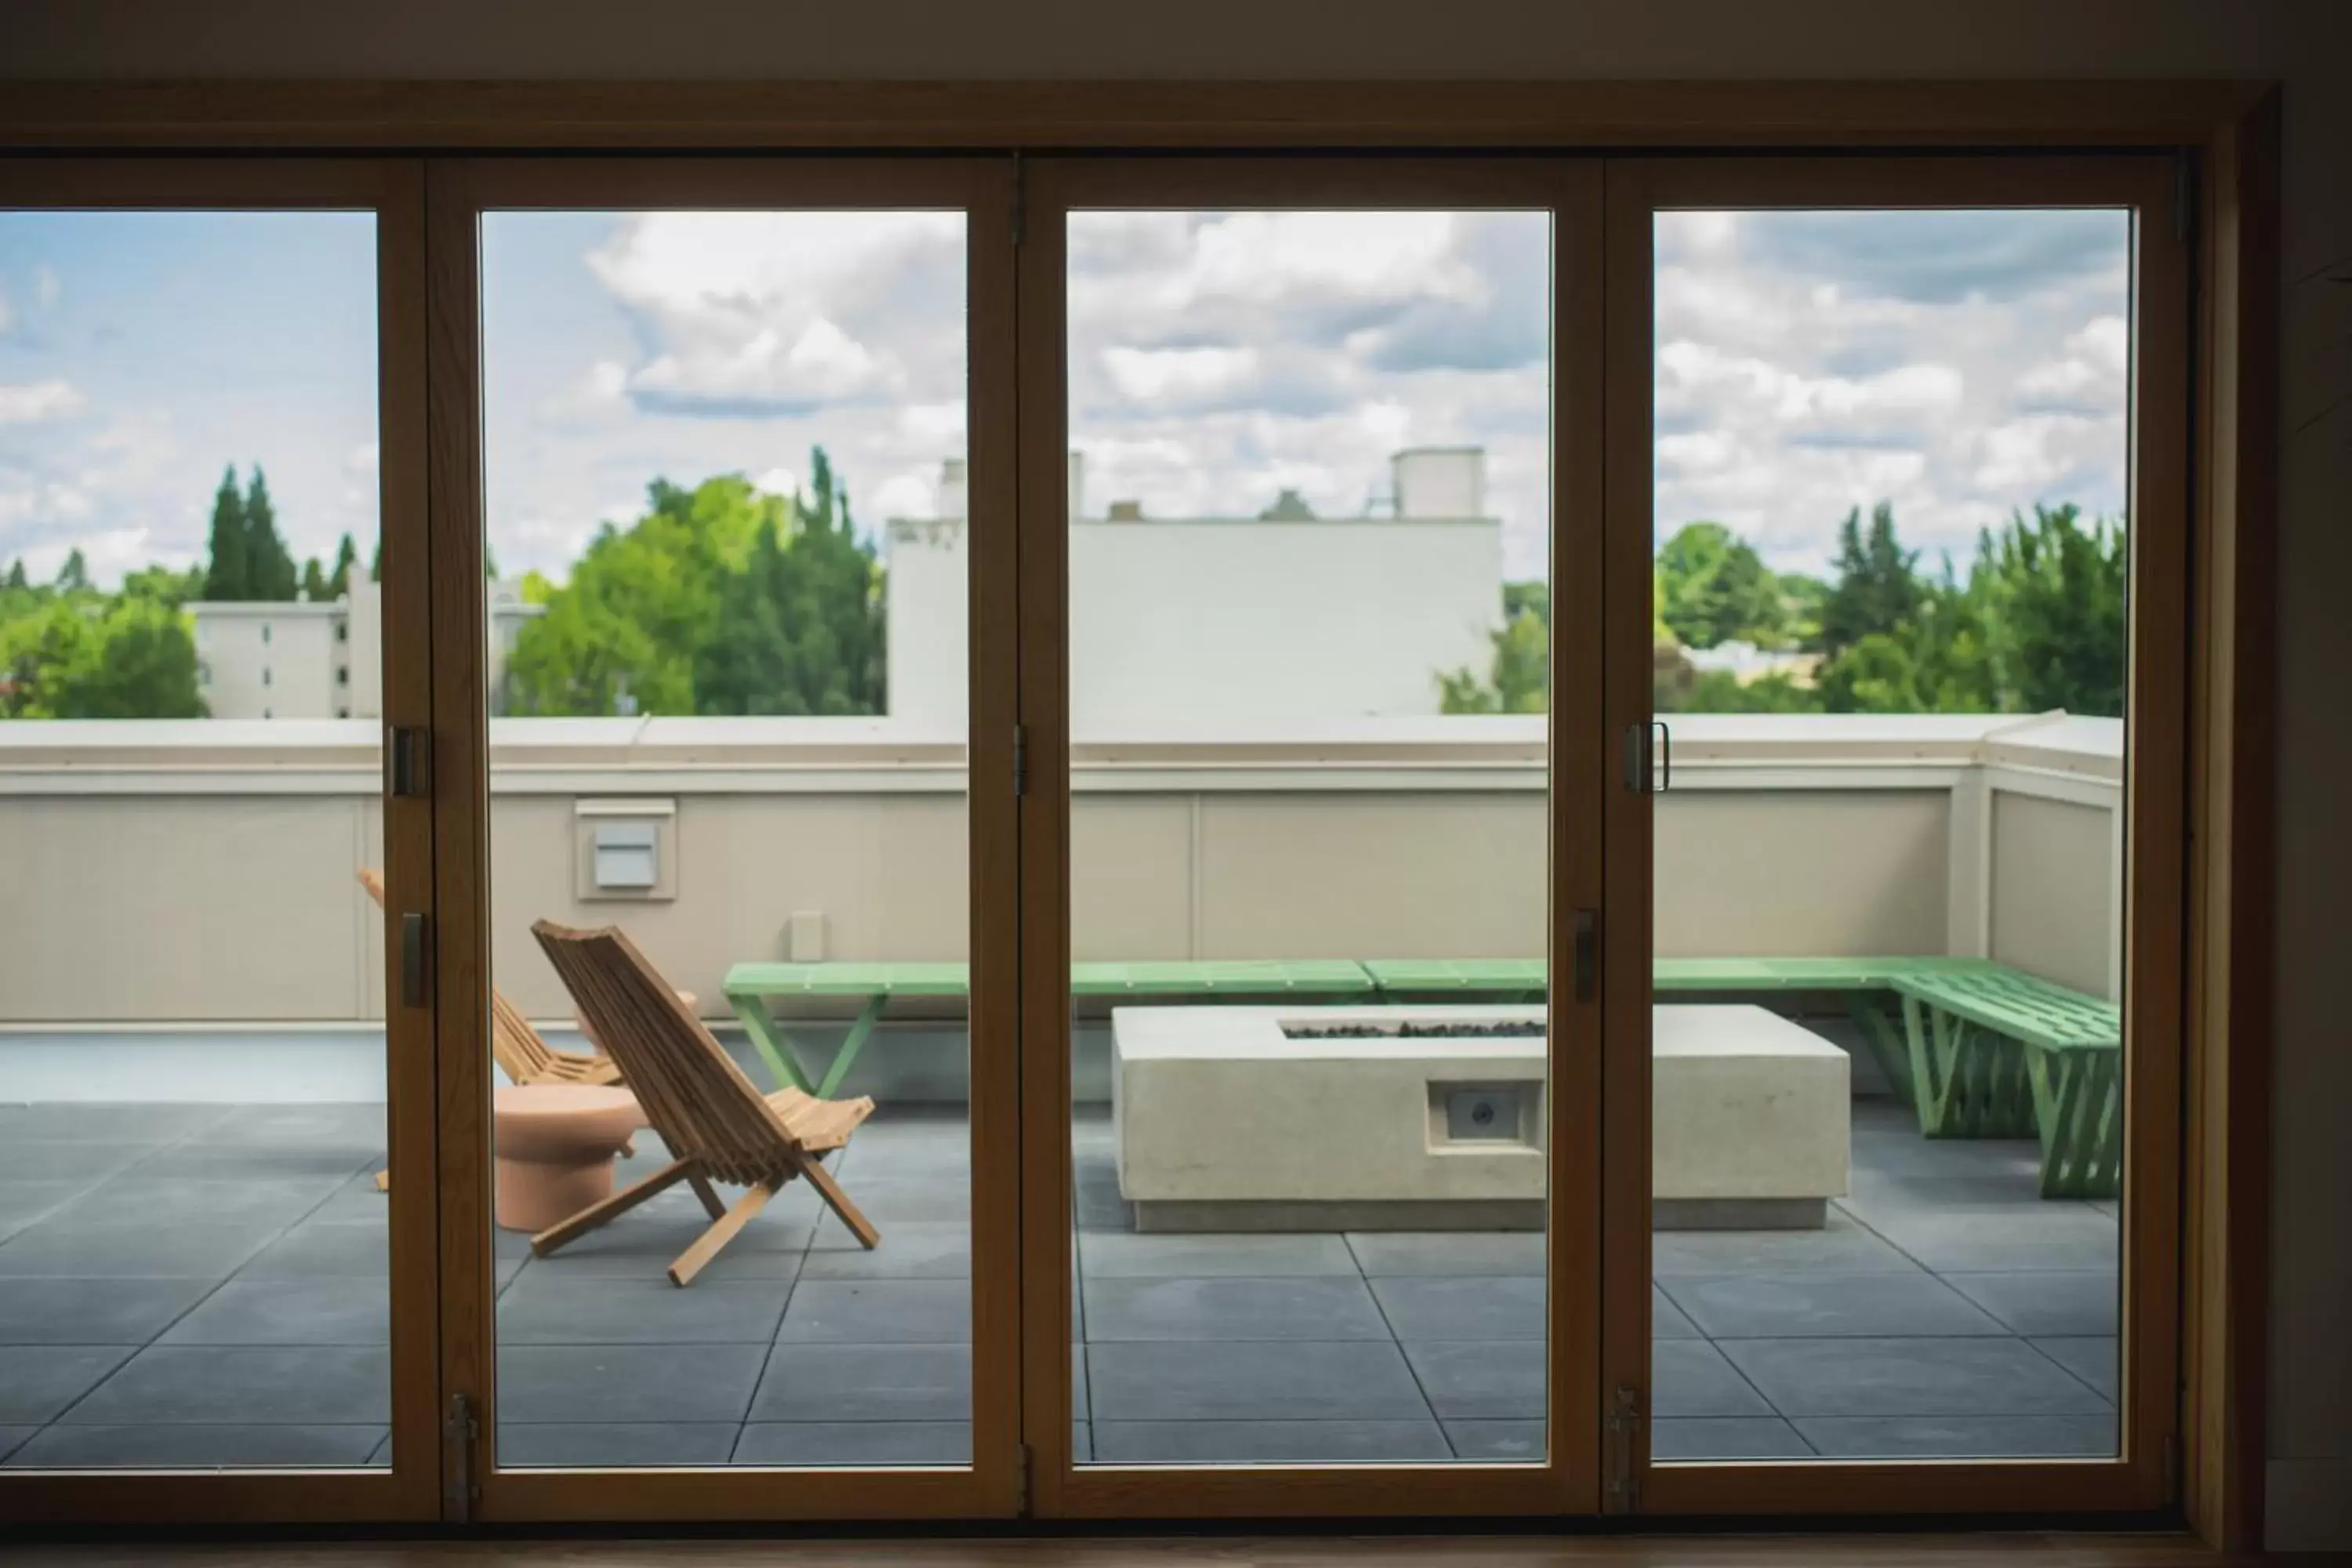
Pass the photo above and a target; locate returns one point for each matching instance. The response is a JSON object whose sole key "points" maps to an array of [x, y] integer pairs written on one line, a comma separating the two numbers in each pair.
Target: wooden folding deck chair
{"points": [[718, 1126], [515, 1046]]}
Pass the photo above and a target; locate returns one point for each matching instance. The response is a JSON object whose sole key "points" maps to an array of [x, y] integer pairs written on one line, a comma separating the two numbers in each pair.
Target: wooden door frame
{"points": [[1566, 1482], [393, 189], [2157, 870], [460, 191], [2230, 127]]}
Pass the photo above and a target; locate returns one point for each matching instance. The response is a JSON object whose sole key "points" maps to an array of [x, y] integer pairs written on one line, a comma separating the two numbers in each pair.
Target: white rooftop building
{"points": [[300, 659], [1184, 622]]}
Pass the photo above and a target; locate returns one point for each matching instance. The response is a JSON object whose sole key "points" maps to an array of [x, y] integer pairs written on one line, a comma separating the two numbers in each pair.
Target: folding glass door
{"points": [[727, 1011], [1896, 546], [1310, 1057], [217, 1294]]}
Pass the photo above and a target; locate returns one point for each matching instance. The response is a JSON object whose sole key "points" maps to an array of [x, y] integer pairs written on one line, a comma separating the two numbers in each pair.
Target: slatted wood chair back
{"points": [[690, 1090], [521, 1054]]}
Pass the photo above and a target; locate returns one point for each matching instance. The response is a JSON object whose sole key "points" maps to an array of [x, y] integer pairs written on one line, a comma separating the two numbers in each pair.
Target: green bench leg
{"points": [[1966, 1081], [1884, 1041], [851, 1043], [2078, 1108], [770, 1042]]}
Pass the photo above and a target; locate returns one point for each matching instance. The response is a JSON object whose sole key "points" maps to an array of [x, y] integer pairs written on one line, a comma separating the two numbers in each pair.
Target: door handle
{"points": [[1649, 758], [411, 960], [1586, 953]]}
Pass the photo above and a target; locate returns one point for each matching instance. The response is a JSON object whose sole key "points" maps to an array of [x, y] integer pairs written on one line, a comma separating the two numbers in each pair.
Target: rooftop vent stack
{"points": [[955, 487], [1077, 497], [1127, 511], [1441, 481]]}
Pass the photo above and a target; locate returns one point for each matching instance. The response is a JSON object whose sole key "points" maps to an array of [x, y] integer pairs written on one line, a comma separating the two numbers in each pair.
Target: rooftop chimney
{"points": [[1127, 511], [1439, 481], [955, 489]]}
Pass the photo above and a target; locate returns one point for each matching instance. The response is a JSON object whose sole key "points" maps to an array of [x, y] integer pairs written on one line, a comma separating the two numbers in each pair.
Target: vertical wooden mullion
{"points": [[460, 772], [1626, 856], [407, 701], [1575, 1280]]}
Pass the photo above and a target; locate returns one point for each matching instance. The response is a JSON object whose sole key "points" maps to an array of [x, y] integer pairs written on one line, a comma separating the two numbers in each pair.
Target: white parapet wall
{"points": [[1299, 1118]]}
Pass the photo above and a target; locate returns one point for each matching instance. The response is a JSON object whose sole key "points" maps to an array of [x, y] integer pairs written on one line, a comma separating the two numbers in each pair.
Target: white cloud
{"points": [[778, 481], [46, 288], [31, 402], [363, 458]]}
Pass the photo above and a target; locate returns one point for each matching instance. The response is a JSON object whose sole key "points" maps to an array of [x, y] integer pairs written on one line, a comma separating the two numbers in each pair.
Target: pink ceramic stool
{"points": [[555, 1143]]}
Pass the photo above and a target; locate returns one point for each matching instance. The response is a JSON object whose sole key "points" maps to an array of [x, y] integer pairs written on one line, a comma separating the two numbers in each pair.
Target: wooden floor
{"points": [[1230, 1551]]}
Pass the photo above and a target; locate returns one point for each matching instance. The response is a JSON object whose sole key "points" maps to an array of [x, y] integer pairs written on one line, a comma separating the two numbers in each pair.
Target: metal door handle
{"points": [[411, 960]]}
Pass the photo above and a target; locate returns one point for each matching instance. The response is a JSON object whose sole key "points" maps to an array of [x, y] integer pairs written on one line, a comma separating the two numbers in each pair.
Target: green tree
{"points": [[1876, 588], [83, 657], [227, 574], [2058, 590], [269, 567], [800, 627], [1519, 679], [1715, 588], [166, 587], [17, 573], [314, 581], [73, 577], [347, 560]]}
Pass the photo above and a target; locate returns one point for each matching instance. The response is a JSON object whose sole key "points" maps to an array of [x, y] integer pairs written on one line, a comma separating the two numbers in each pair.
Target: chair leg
{"points": [[722, 1230], [708, 1194], [619, 1204], [838, 1202]]}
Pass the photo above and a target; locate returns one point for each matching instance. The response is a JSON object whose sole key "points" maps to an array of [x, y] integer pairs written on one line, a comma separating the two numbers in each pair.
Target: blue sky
{"points": [[1960, 364]]}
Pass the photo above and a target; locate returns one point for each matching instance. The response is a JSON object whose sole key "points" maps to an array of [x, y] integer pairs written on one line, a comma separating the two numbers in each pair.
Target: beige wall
{"points": [[2043, 852], [2308, 43], [1797, 873]]}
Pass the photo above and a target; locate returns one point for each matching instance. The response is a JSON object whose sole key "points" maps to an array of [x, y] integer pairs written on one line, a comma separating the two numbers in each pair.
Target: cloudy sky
{"points": [[1959, 365]]}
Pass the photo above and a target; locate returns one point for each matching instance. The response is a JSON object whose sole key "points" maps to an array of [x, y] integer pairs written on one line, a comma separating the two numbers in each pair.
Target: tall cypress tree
{"points": [[347, 560], [227, 574], [269, 564]]}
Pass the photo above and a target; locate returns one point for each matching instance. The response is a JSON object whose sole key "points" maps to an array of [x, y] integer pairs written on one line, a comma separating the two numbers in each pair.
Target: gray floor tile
{"points": [[1666, 1319], [886, 1200], [321, 1122], [1726, 1437], [86, 1163], [1082, 1443], [193, 1446], [38, 1382], [865, 1382], [332, 1312], [14, 1437], [1450, 1252], [1427, 1307], [134, 1203], [2093, 1359], [328, 1163], [1961, 1437], [2050, 1301], [1691, 1378], [1786, 1306], [1497, 1441], [325, 1249], [800, 1443], [644, 1246], [22, 1202], [1269, 1442], [546, 1308], [661, 1385], [1263, 1381], [106, 1121], [258, 1384], [616, 1445], [56, 1249], [1111, 1255], [910, 1250], [1231, 1309], [1993, 1238], [1909, 1377], [1843, 1246], [878, 1312], [41, 1312], [1474, 1379]]}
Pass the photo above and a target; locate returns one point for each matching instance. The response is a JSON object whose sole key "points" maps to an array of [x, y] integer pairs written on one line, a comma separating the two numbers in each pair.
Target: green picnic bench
{"points": [[749, 986], [1981, 1050]]}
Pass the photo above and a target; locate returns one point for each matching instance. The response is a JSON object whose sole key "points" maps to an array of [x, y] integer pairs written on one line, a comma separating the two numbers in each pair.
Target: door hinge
{"points": [[1020, 761], [1021, 1484], [1019, 201], [404, 760], [461, 1488], [1624, 1491]]}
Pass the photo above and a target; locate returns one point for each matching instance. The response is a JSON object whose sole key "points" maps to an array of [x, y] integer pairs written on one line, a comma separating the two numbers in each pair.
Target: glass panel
{"points": [[725, 726], [192, 1245], [1892, 570], [1309, 499]]}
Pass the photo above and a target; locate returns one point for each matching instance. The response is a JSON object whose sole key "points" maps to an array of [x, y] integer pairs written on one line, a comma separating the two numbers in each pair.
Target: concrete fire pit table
{"points": [[1432, 1118]]}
